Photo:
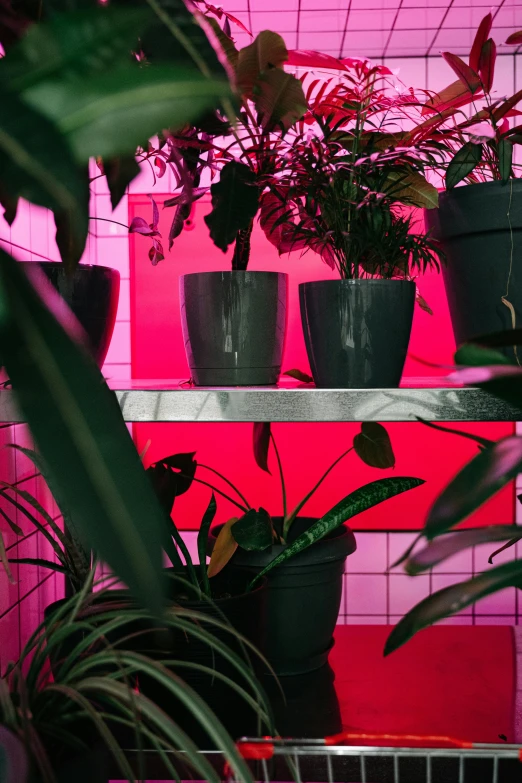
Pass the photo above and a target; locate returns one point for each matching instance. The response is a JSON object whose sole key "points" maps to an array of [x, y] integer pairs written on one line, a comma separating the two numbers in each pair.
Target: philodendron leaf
{"points": [[172, 476], [267, 51], [451, 600], [79, 431], [355, 503], [279, 100], [474, 355], [261, 443], [463, 163], [224, 549], [373, 445], [479, 480], [253, 531], [235, 201], [452, 543]]}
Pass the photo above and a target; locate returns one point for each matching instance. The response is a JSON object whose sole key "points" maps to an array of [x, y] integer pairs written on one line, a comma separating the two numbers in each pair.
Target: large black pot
{"points": [[304, 596], [357, 331], [480, 229], [234, 326], [92, 293], [244, 611]]}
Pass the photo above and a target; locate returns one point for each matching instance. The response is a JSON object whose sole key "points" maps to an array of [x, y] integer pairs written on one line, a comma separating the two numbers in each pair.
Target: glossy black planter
{"points": [[244, 611], [234, 326], [92, 293], [304, 596], [480, 229], [357, 331]]}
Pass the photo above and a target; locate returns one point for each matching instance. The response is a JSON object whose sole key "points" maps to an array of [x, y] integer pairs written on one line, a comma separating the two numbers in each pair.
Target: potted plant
{"points": [[497, 463], [478, 224], [342, 189], [303, 558], [234, 322], [160, 71]]}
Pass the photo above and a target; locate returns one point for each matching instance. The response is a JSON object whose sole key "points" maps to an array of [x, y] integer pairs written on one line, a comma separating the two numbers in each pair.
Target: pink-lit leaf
{"points": [[366, 66], [311, 59], [454, 96], [156, 252], [155, 213], [504, 108], [479, 480], [466, 74], [276, 221], [488, 56], [279, 100], [267, 51], [182, 198], [140, 226], [261, 443], [481, 37], [160, 165], [514, 39], [299, 375], [423, 303], [481, 131], [226, 28]]}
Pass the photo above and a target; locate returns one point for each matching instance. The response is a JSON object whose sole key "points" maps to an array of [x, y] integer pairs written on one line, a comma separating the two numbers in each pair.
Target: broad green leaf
{"points": [[353, 504], [474, 355], [267, 51], [224, 549], [253, 531], [279, 100], [80, 433], [479, 480], [235, 201], [119, 173], [451, 600], [505, 158], [452, 543], [36, 164], [463, 163], [261, 443], [373, 445], [204, 528], [412, 189], [114, 111]]}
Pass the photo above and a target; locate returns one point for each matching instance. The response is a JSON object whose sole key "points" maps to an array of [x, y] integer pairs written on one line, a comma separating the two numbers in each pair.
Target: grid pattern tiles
{"points": [[377, 28]]}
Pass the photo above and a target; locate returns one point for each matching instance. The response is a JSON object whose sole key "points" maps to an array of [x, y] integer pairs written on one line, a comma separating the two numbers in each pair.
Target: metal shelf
{"points": [[430, 399]]}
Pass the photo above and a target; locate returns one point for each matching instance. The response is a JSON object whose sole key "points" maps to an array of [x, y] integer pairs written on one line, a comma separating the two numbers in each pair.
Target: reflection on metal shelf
{"points": [[162, 401]]}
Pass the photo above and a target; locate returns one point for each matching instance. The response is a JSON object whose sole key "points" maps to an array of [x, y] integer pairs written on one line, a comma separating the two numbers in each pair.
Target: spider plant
{"points": [[91, 708], [255, 529]]}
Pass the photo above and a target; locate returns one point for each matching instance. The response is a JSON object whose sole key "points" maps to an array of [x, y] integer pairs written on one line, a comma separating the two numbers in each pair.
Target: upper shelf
{"points": [[429, 399]]}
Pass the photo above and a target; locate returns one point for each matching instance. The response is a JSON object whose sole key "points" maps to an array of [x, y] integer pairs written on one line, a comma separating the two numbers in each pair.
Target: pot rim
{"points": [[233, 273], [80, 267], [356, 281]]}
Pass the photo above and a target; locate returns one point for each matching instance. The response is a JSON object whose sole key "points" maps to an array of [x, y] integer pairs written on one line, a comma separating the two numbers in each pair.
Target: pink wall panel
{"points": [[307, 449]]}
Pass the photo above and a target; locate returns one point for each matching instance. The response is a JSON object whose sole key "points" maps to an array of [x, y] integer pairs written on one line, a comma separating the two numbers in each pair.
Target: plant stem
{"points": [[227, 481], [108, 220], [281, 474], [219, 492]]}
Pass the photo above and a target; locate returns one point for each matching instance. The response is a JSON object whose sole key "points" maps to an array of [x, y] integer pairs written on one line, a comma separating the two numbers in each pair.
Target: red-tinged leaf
{"points": [[366, 65], [282, 236], [261, 443], [155, 214], [311, 59], [224, 548], [299, 375], [156, 252], [488, 56], [161, 166], [466, 74], [423, 303], [481, 37], [140, 226], [514, 39], [504, 108], [452, 97]]}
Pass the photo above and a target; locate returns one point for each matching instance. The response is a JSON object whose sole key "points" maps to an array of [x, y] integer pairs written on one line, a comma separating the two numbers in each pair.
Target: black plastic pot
{"points": [[357, 331], [480, 229], [234, 326], [92, 293], [244, 611], [304, 596]]}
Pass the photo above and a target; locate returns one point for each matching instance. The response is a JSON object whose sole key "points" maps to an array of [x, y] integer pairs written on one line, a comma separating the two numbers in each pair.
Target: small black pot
{"points": [[234, 326], [92, 293], [304, 596], [480, 229], [245, 611], [357, 331]]}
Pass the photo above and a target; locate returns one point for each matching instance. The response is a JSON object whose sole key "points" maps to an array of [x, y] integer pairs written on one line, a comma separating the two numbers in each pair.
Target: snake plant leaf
{"points": [[253, 531], [224, 549], [37, 164], [279, 99], [78, 428], [463, 163], [373, 445], [355, 503], [261, 442], [479, 480], [235, 201], [267, 51], [451, 544], [451, 600], [475, 355]]}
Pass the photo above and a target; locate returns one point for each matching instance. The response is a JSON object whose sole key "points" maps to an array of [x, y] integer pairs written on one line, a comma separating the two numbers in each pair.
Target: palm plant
{"points": [[346, 176]]}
